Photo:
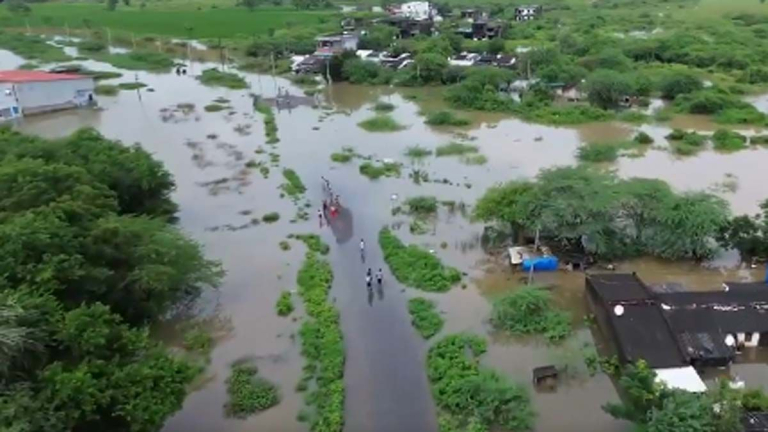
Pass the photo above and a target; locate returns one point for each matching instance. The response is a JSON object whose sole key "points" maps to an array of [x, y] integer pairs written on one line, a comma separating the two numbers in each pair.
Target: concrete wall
{"points": [[9, 108], [35, 97]]}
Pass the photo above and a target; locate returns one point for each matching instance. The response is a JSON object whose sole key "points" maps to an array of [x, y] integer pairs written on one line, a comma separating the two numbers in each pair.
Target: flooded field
{"points": [[386, 387]]}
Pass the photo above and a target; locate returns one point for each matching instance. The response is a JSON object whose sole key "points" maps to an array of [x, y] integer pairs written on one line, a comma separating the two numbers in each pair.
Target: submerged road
{"points": [[385, 377]]}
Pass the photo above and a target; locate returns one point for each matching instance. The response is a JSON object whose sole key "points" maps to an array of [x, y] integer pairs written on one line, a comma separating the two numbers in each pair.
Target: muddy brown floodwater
{"points": [[386, 385]]}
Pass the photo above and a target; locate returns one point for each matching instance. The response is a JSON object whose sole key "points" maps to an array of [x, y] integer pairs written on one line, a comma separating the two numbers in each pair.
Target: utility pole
{"points": [[109, 37]]}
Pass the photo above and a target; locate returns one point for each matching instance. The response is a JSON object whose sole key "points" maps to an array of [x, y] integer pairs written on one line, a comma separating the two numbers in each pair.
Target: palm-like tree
{"points": [[15, 339]]}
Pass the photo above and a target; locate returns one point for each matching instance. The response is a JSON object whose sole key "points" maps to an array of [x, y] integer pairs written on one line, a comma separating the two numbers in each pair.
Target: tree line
{"points": [[88, 259]]}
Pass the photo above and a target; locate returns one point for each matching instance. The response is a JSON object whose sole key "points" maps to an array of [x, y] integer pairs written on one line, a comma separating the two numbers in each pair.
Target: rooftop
{"points": [[643, 333], [20, 76], [618, 287]]}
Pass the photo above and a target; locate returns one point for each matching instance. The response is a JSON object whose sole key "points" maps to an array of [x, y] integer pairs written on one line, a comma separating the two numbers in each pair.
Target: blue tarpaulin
{"points": [[547, 263]]}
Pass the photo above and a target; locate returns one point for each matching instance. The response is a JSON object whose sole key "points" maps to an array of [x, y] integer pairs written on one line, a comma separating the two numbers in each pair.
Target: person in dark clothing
{"points": [[368, 278], [379, 277]]}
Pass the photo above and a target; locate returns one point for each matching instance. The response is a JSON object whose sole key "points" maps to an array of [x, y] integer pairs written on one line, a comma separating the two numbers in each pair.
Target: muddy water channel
{"points": [[386, 385]]}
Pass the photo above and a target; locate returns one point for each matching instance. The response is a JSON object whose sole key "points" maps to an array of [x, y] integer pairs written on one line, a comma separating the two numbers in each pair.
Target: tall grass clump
{"points": [[249, 393], [215, 78], [322, 345], [456, 149], [446, 118], [417, 152], [386, 169], [470, 396], [425, 317], [381, 123], [383, 107], [643, 138], [138, 60], [728, 141], [270, 125], [313, 242], [415, 267], [284, 305], [598, 152], [421, 205], [293, 186], [530, 311]]}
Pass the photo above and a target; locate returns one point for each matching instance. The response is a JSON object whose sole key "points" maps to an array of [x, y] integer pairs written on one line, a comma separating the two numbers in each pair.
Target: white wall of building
{"points": [[8, 107], [39, 96]]}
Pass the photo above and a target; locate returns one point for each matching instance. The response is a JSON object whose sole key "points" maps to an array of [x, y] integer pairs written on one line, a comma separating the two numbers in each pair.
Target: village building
{"points": [[527, 13], [31, 92], [328, 46], [675, 331], [408, 27]]}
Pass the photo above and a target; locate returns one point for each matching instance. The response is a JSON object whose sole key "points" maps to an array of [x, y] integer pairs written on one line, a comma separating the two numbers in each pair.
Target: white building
{"points": [[527, 13], [9, 108], [418, 10], [36, 91]]}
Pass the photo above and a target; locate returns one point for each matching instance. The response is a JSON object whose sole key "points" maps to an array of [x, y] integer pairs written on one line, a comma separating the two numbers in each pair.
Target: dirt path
{"points": [[385, 379]]}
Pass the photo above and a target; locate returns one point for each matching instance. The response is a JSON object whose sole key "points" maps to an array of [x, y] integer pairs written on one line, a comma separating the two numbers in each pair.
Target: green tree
{"points": [[496, 46], [607, 88], [677, 83], [642, 394], [111, 5], [511, 204], [430, 67], [748, 234]]}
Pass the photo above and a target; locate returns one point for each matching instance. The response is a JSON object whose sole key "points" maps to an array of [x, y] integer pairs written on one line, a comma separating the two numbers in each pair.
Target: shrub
{"points": [[455, 149], [381, 123], [314, 243], [417, 152], [424, 317], [676, 135], [106, 90], [284, 245], [249, 393], [131, 85], [529, 311], [421, 205], [342, 157], [271, 217], [284, 305], [677, 83], [383, 107], [92, 46], [446, 118], [474, 397], [682, 149], [598, 152], [643, 138], [726, 140], [759, 140], [415, 267], [197, 339], [477, 159], [694, 139], [386, 169], [214, 107], [294, 186], [215, 78]]}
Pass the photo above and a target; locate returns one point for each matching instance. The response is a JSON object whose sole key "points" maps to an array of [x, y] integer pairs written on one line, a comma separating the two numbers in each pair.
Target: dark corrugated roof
{"points": [[714, 298], [736, 286], [718, 320], [618, 287], [642, 333]]}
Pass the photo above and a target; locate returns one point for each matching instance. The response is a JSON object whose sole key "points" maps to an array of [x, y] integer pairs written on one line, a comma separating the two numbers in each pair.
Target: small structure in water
{"points": [[24, 92]]}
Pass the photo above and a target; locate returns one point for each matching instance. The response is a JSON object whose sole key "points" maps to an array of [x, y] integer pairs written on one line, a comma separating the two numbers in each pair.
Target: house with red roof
{"points": [[24, 92]]}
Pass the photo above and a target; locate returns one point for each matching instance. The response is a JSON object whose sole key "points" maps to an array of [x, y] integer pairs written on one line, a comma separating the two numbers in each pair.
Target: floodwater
{"points": [[386, 385]]}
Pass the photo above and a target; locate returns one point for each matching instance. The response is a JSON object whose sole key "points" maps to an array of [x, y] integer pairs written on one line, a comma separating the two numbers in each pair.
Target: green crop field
{"points": [[180, 19]]}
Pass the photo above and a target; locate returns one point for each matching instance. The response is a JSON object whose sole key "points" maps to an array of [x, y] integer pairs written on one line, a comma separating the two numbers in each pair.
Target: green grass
{"points": [[421, 205], [131, 85], [293, 186], [305, 80], [101, 75], [138, 60], [417, 152], [270, 125], [728, 141], [643, 138], [415, 267], [106, 90], [446, 118], [31, 47], [383, 107], [322, 345], [271, 217], [471, 397], [314, 243], [456, 149], [342, 157], [179, 19], [214, 107], [284, 305], [386, 169], [29, 66], [530, 311], [215, 78], [758, 140], [249, 393], [474, 159], [199, 340], [598, 152], [381, 123], [425, 317]]}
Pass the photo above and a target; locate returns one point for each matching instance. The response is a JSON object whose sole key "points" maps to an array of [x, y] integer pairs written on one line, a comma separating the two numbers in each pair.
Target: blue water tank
{"points": [[547, 263]]}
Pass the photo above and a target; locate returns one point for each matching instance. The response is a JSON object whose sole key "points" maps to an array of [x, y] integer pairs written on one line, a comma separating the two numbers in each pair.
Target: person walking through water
{"points": [[368, 278], [379, 277], [320, 217], [362, 250]]}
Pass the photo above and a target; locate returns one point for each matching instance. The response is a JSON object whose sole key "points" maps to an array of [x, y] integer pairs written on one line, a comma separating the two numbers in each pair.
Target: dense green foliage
{"points": [[446, 118], [293, 186], [599, 152], [314, 243], [748, 234], [417, 152], [425, 317], [581, 209], [88, 260], [214, 107], [421, 205], [383, 107], [726, 140], [284, 305], [215, 78], [248, 392], [32, 47], [529, 311], [322, 345], [471, 396], [381, 123], [198, 339], [643, 138], [385, 169], [138, 60], [270, 125], [271, 217], [415, 267]]}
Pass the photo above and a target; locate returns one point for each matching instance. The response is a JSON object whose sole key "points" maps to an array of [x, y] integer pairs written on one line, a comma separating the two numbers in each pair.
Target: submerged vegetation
{"points": [[455, 149], [138, 60], [470, 396], [417, 152], [313, 242], [270, 125], [293, 186], [215, 78], [446, 118], [385, 169], [529, 311], [284, 305], [248, 392], [32, 47], [322, 346], [415, 267], [381, 123], [425, 317]]}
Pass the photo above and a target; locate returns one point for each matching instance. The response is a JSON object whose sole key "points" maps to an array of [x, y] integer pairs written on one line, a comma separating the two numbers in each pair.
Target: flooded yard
{"points": [[221, 195]]}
